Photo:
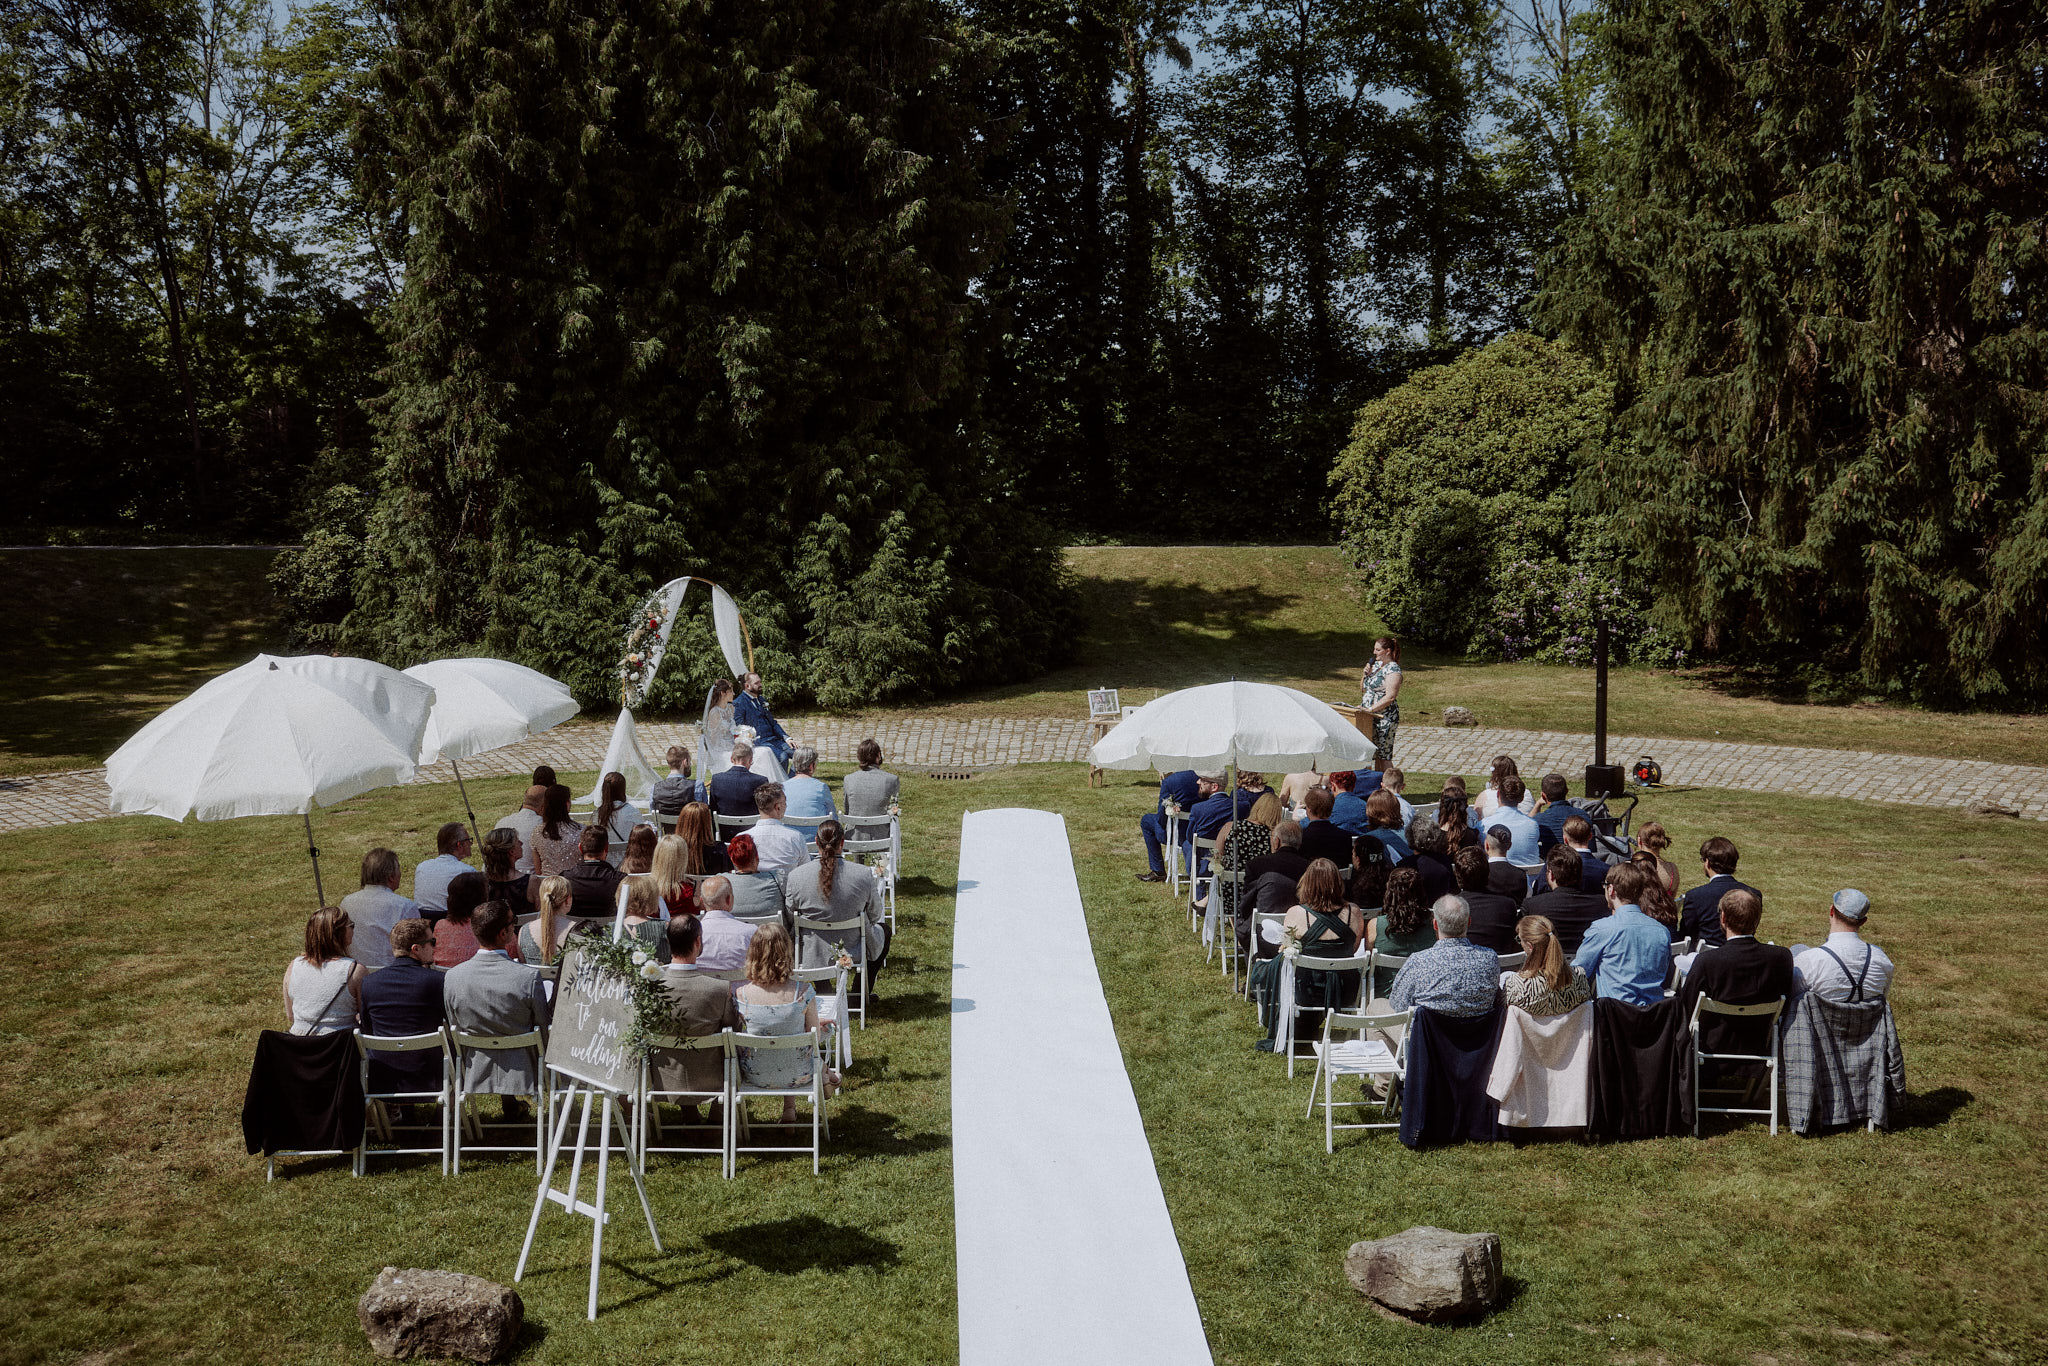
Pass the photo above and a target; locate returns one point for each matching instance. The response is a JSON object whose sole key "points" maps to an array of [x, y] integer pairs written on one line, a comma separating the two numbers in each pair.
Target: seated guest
{"points": [[1328, 926], [1699, 913], [1347, 808], [543, 776], [697, 829], [701, 1005], [1742, 972], [671, 794], [1294, 787], [1524, 838], [541, 941], [526, 822], [756, 892], [675, 872], [750, 708], [1658, 902], [404, 999], [376, 907], [489, 993], [639, 859], [871, 790], [1453, 976], [1395, 783], [1627, 955], [732, 792], [1502, 877], [1383, 819], [1489, 801], [1454, 816], [1431, 859], [1557, 808], [780, 848], [1653, 839], [1578, 837], [1269, 882], [553, 847], [771, 1003], [323, 986], [1569, 908], [1366, 881], [642, 920], [1182, 788], [1320, 837], [1545, 984], [616, 816], [1208, 816], [503, 852], [1846, 969], [593, 882], [830, 888], [725, 939], [1402, 929], [1493, 915], [807, 797], [430, 879], [454, 938]]}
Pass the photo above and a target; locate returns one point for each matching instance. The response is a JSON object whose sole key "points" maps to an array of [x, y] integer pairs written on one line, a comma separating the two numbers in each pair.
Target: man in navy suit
{"points": [[1700, 915], [732, 792], [1550, 820], [751, 709], [1217, 809], [405, 998], [1182, 788]]}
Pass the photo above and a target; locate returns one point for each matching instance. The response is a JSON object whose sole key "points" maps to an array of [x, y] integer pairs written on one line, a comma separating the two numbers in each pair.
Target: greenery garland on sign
{"points": [[630, 961]]}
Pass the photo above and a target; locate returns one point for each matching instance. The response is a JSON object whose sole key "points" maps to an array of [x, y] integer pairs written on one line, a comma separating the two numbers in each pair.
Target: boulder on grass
{"points": [[440, 1314], [1981, 806], [1459, 716], [1428, 1275]]}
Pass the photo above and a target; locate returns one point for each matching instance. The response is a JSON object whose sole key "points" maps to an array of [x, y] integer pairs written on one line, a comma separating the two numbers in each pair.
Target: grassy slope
{"points": [[101, 640], [135, 1225]]}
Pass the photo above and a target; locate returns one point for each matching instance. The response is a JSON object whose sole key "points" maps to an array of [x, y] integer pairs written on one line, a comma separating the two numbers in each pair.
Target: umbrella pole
{"points": [[314, 852], [456, 764]]}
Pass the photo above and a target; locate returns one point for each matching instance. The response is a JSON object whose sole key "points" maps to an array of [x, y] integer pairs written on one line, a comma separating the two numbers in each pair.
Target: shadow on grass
{"points": [[911, 1007], [859, 1130], [1932, 1109], [788, 1247]]}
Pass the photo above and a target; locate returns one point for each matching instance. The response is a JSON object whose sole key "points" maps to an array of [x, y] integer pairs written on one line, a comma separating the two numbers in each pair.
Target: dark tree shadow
{"points": [[1931, 1109], [787, 1247]]}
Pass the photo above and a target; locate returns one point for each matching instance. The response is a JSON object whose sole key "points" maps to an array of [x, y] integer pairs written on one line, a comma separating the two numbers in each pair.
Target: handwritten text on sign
{"points": [[593, 1014]]}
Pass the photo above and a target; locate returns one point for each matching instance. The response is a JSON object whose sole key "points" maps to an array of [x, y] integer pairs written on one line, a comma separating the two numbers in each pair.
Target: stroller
{"points": [[1611, 839]]}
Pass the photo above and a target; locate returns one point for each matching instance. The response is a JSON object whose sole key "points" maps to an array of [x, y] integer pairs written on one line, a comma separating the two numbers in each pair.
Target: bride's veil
{"points": [[710, 701]]}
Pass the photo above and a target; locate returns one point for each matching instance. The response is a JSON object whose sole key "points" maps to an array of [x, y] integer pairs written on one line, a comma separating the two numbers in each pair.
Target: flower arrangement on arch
{"points": [[643, 652]]}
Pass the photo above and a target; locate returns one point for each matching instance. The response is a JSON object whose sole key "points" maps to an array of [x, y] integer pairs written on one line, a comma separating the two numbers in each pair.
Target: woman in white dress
{"points": [[714, 752]]}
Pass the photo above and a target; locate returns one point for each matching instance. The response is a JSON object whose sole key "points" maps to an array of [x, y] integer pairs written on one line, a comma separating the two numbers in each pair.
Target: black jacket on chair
{"points": [[1742, 972], [305, 1094], [404, 998], [1642, 1071]]}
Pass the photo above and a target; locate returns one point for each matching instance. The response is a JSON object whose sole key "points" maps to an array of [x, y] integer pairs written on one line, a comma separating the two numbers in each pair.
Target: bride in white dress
{"points": [[714, 754]]}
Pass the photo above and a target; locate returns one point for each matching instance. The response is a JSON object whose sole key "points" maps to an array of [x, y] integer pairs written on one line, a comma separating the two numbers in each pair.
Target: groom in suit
{"points": [[751, 709]]}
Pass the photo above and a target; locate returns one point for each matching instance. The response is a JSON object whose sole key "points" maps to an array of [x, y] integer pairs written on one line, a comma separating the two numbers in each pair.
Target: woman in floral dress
{"points": [[1381, 685]]}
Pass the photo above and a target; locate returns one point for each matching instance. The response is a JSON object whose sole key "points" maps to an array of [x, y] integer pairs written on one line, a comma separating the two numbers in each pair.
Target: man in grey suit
{"points": [[870, 790], [491, 994], [375, 907], [703, 1006]]}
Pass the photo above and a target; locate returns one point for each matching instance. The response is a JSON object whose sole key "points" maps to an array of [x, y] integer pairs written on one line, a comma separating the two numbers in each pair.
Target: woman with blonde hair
{"points": [[1545, 984], [770, 1003], [830, 888], [323, 987], [1239, 842], [673, 877], [540, 941]]}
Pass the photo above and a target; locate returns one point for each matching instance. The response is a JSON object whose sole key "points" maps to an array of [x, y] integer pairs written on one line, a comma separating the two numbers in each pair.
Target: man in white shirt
{"points": [[780, 846], [725, 939], [430, 879], [527, 821], [1845, 970], [375, 907]]}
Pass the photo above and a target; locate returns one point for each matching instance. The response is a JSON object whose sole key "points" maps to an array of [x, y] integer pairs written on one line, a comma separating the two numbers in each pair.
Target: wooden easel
{"points": [[597, 1213]]}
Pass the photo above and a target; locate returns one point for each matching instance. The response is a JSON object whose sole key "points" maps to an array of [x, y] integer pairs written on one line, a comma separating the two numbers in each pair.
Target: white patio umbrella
{"points": [[1259, 726], [274, 737], [483, 704]]}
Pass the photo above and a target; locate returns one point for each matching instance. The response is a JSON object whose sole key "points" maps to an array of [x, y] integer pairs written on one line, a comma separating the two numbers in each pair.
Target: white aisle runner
{"points": [[1066, 1250]]}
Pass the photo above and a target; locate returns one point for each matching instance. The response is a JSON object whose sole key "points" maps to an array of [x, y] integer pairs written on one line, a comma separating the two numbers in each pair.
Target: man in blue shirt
{"points": [[751, 709], [1559, 809], [1347, 808], [1524, 837], [1454, 976], [1183, 789], [1626, 955], [808, 797]]}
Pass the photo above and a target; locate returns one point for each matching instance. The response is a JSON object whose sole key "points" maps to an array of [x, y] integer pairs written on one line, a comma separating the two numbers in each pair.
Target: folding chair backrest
{"points": [[868, 846], [1511, 960], [367, 1044], [1311, 963], [1388, 962], [1339, 1020], [670, 1042], [804, 922], [1707, 1005], [770, 1043], [724, 974], [499, 1043], [735, 823]]}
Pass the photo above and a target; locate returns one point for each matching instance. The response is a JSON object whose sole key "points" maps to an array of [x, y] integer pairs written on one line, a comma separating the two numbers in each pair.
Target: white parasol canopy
{"points": [[485, 704], [1259, 726]]}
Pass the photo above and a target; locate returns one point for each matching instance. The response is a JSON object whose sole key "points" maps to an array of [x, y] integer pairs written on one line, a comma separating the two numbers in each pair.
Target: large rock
{"points": [[1428, 1274], [440, 1314], [1459, 716]]}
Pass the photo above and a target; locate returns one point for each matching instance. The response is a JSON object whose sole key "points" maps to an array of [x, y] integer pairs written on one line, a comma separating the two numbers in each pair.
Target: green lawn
{"points": [[136, 1230]]}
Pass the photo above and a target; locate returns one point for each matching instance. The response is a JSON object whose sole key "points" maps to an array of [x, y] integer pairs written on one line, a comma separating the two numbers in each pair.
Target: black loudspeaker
{"points": [[1606, 780]]}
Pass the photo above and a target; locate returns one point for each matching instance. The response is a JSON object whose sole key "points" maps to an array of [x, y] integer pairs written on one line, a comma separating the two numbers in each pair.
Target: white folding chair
{"points": [[857, 924], [542, 1095], [1173, 851], [740, 1127], [1221, 931], [728, 826], [878, 855], [832, 1010], [1362, 1057], [1510, 961], [1268, 927], [374, 1107], [1707, 1005], [808, 825], [1196, 877], [1361, 963], [647, 1131]]}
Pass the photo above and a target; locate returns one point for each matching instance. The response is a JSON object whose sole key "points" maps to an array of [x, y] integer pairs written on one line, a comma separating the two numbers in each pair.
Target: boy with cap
{"points": [[1845, 969]]}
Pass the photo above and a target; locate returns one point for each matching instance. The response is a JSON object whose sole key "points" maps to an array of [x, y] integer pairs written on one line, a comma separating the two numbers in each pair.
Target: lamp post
{"points": [[1602, 778]]}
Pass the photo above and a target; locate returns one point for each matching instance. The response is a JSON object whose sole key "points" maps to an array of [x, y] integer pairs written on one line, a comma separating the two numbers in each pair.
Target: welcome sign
{"points": [[593, 1015]]}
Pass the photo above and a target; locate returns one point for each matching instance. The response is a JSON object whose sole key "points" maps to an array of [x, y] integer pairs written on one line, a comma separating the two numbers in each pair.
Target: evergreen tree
{"points": [[686, 291], [1819, 274]]}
